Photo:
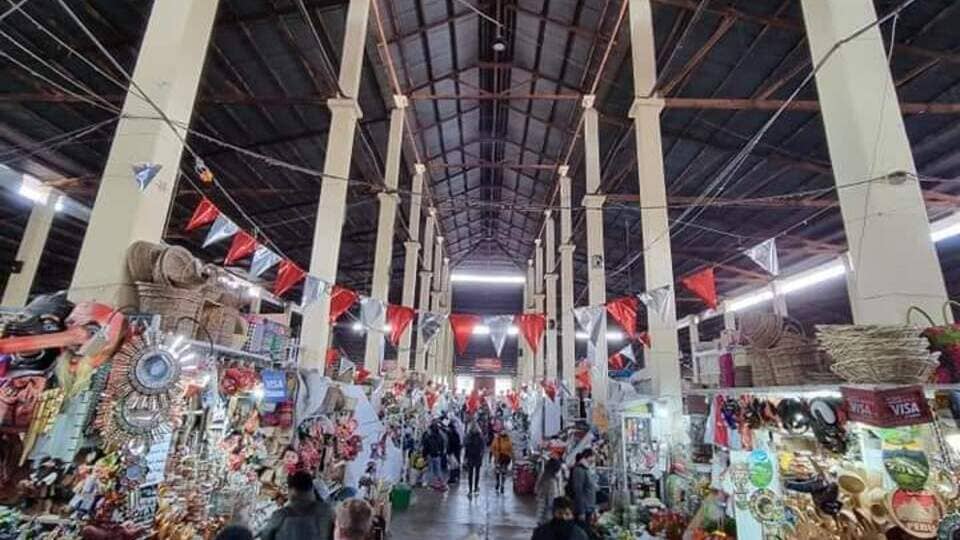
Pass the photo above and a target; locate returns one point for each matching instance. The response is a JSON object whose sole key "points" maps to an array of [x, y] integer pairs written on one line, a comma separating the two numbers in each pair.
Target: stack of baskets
{"points": [[876, 354], [781, 355], [172, 283]]}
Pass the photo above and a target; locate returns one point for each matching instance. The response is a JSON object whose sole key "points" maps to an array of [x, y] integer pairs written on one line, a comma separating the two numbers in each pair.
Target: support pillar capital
{"points": [[588, 101], [388, 197], [643, 105], [412, 245], [567, 248], [419, 168], [563, 170], [551, 277], [337, 105], [548, 213], [594, 201], [400, 101], [426, 275], [539, 298]]}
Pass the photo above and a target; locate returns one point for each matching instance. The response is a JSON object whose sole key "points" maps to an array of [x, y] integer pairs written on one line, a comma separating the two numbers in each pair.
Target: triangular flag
{"points": [[346, 365], [624, 311], [499, 327], [288, 275], [263, 259], [243, 244], [203, 214], [430, 324], [361, 376], [531, 327], [658, 300], [765, 255], [703, 285], [463, 325], [313, 289], [590, 318], [341, 299], [144, 173], [398, 317], [223, 228], [373, 313]]}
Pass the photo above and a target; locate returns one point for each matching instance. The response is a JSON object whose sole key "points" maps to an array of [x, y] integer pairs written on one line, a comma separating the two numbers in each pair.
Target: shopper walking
{"points": [[454, 453], [304, 517], [501, 452], [475, 448], [354, 520], [562, 526], [583, 486], [434, 450], [548, 489]]}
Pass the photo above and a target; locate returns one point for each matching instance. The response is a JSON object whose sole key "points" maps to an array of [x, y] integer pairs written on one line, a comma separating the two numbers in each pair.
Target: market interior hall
{"points": [[479, 269]]}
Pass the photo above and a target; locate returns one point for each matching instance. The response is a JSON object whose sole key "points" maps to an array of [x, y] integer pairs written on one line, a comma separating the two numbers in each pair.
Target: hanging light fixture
{"points": [[499, 44]]}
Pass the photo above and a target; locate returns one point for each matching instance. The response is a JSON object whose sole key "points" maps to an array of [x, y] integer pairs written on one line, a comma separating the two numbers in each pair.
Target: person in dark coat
{"points": [[474, 449], [454, 453], [304, 516], [584, 486], [562, 526], [434, 448]]}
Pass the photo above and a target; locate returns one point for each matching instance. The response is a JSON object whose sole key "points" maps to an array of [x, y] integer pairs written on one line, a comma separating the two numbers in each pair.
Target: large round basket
{"points": [[877, 354], [176, 306], [179, 268], [141, 259]]}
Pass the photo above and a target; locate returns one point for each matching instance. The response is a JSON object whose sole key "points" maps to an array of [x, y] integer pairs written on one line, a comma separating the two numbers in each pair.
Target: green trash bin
{"points": [[400, 497]]}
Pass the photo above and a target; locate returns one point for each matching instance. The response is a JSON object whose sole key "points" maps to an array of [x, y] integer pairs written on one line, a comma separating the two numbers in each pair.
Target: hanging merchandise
{"points": [[203, 172], [624, 311], [765, 255], [242, 245], [204, 214], [263, 260], [703, 285], [288, 275], [373, 314], [429, 325], [499, 328], [144, 173], [223, 228], [399, 319], [341, 299], [658, 300], [463, 325], [532, 326]]}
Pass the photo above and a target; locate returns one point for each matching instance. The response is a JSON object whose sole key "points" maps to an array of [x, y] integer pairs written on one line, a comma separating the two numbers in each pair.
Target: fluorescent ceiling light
{"points": [[824, 272], [31, 188], [358, 327], [484, 330], [748, 300], [458, 277], [945, 228]]}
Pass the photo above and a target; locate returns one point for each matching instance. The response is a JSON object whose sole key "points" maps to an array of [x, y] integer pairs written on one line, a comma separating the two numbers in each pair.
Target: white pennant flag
{"points": [[346, 365], [627, 352], [144, 173], [765, 255], [223, 228], [373, 313], [591, 319], [430, 324], [658, 300], [499, 326], [263, 259], [313, 290]]}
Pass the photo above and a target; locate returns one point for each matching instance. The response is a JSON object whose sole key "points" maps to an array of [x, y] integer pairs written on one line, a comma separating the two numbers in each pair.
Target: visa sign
{"points": [[887, 407]]}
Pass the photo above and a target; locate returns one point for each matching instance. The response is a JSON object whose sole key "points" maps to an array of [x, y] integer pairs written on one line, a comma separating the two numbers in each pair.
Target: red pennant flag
{"points": [[360, 376], [550, 388], [341, 299], [473, 402], [288, 275], [431, 398], [532, 326], [204, 214], [624, 311], [463, 325], [583, 379], [399, 318], [333, 355], [644, 338], [616, 362], [241, 246], [703, 285]]}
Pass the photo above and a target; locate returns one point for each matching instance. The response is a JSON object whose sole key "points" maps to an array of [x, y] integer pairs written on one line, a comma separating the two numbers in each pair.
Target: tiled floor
{"points": [[454, 516]]}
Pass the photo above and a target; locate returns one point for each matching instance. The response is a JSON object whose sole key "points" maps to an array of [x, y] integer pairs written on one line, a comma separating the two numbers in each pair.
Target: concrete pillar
{"points": [[550, 283], [729, 320], [450, 353], [851, 278], [436, 347], [17, 291], [426, 276], [539, 298], [568, 326], [345, 110], [596, 266], [168, 70], [529, 306], [664, 353], [383, 254], [412, 251], [885, 220], [694, 333]]}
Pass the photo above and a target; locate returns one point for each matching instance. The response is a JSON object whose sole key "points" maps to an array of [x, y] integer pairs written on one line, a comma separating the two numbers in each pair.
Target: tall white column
{"points": [[17, 291], [168, 70], [568, 326], [426, 276], [885, 221], [529, 306], [412, 251], [436, 347], [664, 354], [450, 353], [694, 333], [345, 111], [383, 256], [596, 266], [550, 283], [539, 298]]}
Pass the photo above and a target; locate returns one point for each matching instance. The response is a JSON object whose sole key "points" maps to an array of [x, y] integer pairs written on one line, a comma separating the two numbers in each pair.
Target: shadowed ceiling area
{"points": [[491, 124]]}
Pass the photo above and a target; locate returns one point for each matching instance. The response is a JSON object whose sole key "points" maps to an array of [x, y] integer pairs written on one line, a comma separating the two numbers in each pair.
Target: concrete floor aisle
{"points": [[454, 516]]}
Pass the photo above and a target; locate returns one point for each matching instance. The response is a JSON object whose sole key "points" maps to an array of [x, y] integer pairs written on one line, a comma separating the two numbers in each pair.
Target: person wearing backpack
{"points": [[501, 452], [583, 486]]}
